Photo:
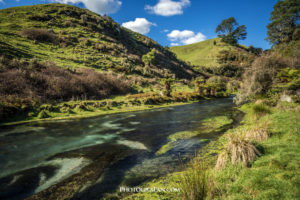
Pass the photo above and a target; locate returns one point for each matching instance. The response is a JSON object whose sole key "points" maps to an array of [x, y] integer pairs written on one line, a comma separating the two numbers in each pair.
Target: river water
{"points": [[99, 154]]}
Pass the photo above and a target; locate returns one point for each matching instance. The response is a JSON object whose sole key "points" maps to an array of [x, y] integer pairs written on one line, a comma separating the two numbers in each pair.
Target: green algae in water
{"points": [[210, 125]]}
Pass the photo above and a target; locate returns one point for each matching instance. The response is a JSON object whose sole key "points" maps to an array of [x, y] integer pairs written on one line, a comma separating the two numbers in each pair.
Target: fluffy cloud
{"points": [[168, 7], [196, 38], [174, 44], [140, 25], [185, 37], [98, 6], [180, 35]]}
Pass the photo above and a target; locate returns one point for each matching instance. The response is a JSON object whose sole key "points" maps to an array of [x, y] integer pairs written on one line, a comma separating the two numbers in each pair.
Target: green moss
{"points": [[216, 123]]}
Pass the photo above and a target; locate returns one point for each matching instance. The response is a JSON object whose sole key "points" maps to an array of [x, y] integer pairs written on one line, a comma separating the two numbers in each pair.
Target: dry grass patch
{"points": [[257, 134], [239, 150], [42, 35]]}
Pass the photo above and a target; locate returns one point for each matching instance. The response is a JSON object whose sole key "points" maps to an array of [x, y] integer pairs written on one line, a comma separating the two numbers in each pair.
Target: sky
{"points": [[178, 22]]}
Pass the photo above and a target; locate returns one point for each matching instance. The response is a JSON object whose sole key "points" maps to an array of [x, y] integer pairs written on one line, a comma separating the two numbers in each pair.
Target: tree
{"points": [[285, 23], [167, 82], [230, 31], [199, 85]]}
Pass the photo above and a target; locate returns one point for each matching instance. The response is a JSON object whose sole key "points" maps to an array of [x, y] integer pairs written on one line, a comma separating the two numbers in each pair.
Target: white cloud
{"points": [[168, 7], [140, 25], [196, 38], [165, 31], [98, 6], [174, 44], [1, 1], [185, 37], [179, 35]]}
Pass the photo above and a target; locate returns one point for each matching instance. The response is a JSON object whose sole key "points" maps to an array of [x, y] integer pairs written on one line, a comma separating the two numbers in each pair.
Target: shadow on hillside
{"points": [[10, 51]]}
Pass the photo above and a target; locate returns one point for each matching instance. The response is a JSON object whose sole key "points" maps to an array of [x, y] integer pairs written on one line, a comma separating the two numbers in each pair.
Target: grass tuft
{"points": [[239, 150], [259, 110], [257, 134], [193, 182]]}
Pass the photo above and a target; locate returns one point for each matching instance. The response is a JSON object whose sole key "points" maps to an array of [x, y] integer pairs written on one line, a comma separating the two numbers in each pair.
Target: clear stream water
{"points": [[35, 156]]}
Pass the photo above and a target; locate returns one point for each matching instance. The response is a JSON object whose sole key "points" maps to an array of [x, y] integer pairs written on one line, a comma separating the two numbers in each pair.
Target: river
{"points": [[97, 155]]}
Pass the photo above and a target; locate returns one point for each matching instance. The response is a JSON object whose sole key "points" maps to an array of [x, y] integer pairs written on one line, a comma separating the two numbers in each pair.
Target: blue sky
{"points": [[178, 22]]}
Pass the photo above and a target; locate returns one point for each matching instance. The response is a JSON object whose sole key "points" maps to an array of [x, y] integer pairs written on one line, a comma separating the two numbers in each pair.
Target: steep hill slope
{"points": [[74, 38], [203, 53]]}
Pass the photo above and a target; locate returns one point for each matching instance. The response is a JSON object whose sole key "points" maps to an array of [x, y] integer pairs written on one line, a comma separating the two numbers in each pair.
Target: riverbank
{"points": [[274, 173], [94, 113], [92, 108]]}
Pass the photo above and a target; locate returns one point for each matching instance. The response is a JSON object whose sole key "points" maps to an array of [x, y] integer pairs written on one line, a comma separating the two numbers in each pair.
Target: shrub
{"points": [[68, 23], [42, 35], [261, 75], [149, 58], [294, 85], [85, 42], [218, 82], [167, 83], [233, 86], [239, 150], [228, 70], [45, 82], [41, 17], [287, 74], [42, 115]]}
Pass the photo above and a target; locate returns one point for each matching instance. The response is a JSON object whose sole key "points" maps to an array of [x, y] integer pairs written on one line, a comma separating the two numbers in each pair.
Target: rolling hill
{"points": [[204, 53]]}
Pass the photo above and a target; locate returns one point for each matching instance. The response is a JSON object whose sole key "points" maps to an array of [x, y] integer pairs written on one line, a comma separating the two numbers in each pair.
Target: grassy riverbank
{"points": [[119, 104], [273, 174]]}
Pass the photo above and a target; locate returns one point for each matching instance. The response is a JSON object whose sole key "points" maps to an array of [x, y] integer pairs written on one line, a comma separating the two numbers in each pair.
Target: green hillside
{"points": [[202, 53], [74, 38], [54, 53]]}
